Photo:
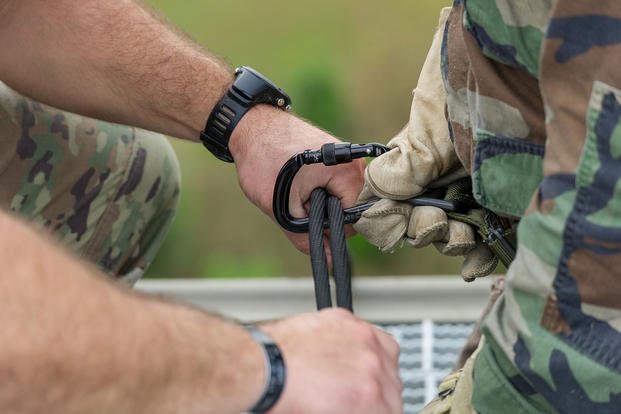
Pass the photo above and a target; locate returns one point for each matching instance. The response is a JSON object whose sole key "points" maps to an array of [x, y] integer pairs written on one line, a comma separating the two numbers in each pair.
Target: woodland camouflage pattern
{"points": [[107, 191], [534, 106]]}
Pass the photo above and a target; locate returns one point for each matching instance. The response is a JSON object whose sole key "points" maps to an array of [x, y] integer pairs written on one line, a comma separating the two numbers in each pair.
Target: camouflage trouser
{"points": [[106, 191]]}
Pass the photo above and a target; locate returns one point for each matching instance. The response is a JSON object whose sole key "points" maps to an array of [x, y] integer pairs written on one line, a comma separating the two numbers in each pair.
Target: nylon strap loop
{"points": [[500, 238]]}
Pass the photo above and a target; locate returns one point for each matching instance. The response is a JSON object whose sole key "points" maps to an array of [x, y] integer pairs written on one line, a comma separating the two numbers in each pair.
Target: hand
{"points": [[264, 140], [422, 153], [337, 363], [390, 222]]}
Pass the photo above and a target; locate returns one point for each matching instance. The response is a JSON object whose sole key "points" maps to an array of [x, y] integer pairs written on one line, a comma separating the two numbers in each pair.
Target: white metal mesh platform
{"points": [[428, 352]]}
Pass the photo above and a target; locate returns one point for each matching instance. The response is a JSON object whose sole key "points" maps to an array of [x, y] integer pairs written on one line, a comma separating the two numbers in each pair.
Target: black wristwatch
{"points": [[249, 89]]}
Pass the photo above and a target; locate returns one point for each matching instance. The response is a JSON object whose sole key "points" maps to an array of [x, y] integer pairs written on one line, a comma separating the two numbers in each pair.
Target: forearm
{"points": [[109, 59], [72, 342], [113, 60]]}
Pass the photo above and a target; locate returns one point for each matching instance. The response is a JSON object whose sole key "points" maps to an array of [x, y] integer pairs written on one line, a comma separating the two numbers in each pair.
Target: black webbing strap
{"points": [[321, 205], [500, 237]]}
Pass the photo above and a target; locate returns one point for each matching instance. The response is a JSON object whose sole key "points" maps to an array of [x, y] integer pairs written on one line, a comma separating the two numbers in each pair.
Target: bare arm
{"points": [[73, 342], [114, 60]]}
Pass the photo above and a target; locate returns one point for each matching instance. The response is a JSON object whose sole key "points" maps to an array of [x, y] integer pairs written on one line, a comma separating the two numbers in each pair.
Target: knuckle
{"points": [[364, 391], [373, 365], [336, 313], [361, 396], [372, 393], [367, 334], [394, 349]]}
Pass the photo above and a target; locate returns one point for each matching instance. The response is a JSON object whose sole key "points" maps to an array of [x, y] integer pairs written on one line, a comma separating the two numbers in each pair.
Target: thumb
{"points": [[393, 175]]}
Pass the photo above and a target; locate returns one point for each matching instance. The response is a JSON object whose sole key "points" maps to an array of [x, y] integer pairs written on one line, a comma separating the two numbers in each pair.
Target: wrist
{"points": [[249, 89], [204, 359], [216, 86], [258, 131]]}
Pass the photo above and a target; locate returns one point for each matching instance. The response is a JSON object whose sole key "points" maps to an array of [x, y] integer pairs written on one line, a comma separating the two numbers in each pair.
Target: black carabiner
{"points": [[329, 154], [333, 154]]}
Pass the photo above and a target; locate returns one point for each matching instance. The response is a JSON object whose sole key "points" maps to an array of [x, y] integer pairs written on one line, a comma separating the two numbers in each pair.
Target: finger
{"points": [[393, 382], [460, 239], [367, 194], [350, 231], [392, 385], [385, 174], [392, 391], [384, 225], [481, 261], [299, 241], [389, 345], [346, 181], [427, 225], [394, 400], [318, 176]]}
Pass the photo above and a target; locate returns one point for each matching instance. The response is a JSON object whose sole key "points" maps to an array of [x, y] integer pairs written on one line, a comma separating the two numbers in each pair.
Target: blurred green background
{"points": [[350, 67]]}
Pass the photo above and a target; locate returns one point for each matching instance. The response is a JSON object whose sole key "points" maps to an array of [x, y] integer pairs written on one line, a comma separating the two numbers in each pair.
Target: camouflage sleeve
{"points": [[554, 339]]}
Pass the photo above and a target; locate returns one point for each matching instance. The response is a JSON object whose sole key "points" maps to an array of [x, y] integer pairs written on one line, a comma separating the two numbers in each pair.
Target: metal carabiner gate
{"points": [[334, 154]]}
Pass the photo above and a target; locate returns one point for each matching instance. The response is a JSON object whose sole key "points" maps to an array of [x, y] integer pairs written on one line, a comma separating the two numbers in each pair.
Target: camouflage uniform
{"points": [[107, 191], [534, 106]]}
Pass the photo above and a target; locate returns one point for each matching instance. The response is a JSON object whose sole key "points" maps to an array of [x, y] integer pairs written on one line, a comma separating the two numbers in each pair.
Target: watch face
{"points": [[258, 89], [250, 85]]}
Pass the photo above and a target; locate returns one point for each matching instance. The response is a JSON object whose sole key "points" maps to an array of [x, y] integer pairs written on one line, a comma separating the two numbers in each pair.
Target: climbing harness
{"points": [[326, 212]]}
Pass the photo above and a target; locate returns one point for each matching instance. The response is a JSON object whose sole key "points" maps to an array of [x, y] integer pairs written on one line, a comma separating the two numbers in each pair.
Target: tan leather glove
{"points": [[456, 389], [422, 154]]}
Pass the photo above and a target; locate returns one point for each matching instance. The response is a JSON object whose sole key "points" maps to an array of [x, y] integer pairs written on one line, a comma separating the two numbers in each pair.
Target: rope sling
{"points": [[322, 205]]}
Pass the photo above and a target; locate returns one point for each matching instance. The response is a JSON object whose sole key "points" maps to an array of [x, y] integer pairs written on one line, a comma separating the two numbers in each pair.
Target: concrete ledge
{"points": [[378, 299]]}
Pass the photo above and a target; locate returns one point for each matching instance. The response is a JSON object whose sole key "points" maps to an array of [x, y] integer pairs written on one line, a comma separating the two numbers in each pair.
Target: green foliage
{"points": [[350, 67], [319, 99]]}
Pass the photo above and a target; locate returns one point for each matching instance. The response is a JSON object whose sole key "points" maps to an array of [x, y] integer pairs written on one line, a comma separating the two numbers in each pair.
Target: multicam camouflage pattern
{"points": [[535, 113], [107, 191]]}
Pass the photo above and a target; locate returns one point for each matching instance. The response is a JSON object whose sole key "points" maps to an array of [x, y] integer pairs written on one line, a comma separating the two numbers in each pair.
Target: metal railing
{"points": [[377, 299]]}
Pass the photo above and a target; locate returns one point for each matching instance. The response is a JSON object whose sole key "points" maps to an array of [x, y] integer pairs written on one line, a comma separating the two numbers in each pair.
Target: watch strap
{"points": [[222, 121], [249, 88], [275, 374]]}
